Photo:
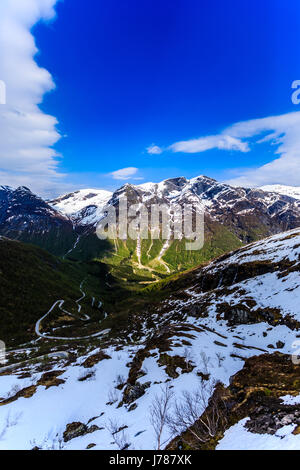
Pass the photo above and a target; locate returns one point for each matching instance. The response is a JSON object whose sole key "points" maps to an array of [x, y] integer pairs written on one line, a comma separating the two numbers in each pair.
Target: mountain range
{"points": [[66, 226]]}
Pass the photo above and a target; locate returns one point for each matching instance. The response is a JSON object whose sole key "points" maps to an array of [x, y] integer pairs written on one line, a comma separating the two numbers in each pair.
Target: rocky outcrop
{"points": [[77, 429], [254, 392], [94, 359], [133, 392]]}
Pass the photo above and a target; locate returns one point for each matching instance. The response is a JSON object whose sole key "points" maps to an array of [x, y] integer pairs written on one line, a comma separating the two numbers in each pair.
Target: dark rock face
{"points": [[133, 392], [73, 430], [77, 429], [26, 217], [94, 359], [264, 422], [238, 316], [263, 380]]}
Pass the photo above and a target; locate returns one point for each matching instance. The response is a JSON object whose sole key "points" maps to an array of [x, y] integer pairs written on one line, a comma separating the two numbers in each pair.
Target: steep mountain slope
{"points": [[238, 316], [31, 280], [233, 216], [26, 217], [219, 199], [83, 206], [67, 226]]}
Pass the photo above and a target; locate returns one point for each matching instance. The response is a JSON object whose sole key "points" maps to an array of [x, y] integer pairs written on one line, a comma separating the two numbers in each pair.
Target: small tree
{"points": [[118, 434], [220, 359], [159, 411], [199, 412]]}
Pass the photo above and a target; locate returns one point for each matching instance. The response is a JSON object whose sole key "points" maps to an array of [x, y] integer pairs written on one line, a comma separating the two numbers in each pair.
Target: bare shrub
{"points": [[13, 391], [205, 361], [10, 421], [87, 375], [50, 442], [200, 412], [112, 396], [118, 434], [120, 380], [159, 413], [220, 359]]}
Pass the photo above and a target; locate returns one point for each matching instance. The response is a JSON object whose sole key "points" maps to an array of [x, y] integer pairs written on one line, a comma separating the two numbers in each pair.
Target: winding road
{"points": [[58, 355], [85, 318]]}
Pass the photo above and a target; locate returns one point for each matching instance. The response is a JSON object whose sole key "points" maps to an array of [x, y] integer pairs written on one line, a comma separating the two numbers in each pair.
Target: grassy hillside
{"points": [[124, 263], [31, 280]]}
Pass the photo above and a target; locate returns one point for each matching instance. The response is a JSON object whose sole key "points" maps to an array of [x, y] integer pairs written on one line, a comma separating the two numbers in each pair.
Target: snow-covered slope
{"points": [[219, 200], [239, 438], [291, 191], [83, 206], [242, 305]]}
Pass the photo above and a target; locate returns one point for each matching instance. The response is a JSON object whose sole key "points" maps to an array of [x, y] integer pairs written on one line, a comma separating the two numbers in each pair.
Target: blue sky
{"points": [[136, 73]]}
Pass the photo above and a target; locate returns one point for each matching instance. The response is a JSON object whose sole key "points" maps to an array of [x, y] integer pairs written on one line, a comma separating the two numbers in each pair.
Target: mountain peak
{"points": [[23, 189], [6, 188], [179, 180], [203, 178]]}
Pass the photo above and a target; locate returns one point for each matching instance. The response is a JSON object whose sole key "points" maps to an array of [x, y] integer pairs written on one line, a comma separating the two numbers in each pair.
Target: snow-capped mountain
{"points": [[232, 216], [221, 201], [291, 191], [25, 216], [216, 352], [83, 206]]}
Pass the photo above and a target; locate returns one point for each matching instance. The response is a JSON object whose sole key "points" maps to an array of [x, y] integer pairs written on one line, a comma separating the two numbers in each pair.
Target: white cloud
{"points": [[222, 142], [125, 174], [27, 135], [281, 132], [154, 150]]}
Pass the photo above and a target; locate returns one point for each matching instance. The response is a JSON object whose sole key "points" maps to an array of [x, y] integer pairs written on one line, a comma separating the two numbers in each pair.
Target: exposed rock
{"points": [[95, 358], [49, 379], [77, 429], [132, 407], [90, 446], [173, 363], [133, 392], [202, 375], [218, 343], [73, 430], [26, 392], [93, 428]]}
